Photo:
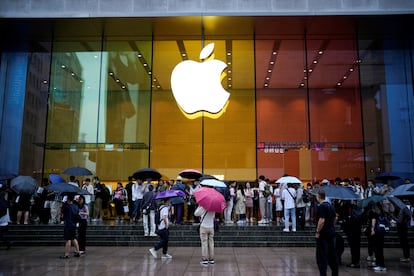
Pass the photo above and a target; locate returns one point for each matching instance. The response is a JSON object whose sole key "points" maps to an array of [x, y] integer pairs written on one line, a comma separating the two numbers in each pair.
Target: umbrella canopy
{"points": [[54, 178], [78, 171], [397, 202], [23, 184], [337, 192], [169, 193], [289, 180], [190, 174], [210, 199], [403, 190], [64, 187], [385, 177], [146, 173], [363, 203], [213, 183]]}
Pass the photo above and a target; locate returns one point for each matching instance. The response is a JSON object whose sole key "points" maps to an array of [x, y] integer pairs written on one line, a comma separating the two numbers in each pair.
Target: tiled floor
{"points": [[137, 261]]}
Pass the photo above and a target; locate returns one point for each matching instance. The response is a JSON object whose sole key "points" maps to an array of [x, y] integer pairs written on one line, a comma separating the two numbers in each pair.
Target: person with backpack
{"points": [[148, 212], [70, 212], [163, 231]]}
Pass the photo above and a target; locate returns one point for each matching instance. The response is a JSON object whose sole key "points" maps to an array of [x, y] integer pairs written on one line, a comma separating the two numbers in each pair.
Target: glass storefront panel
{"points": [[99, 106]]}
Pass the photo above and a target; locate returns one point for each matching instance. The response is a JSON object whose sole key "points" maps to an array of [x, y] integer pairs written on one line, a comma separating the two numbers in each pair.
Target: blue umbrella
{"points": [[363, 203], [337, 192], [78, 171], [404, 190], [169, 193], [54, 178], [23, 184], [146, 173]]}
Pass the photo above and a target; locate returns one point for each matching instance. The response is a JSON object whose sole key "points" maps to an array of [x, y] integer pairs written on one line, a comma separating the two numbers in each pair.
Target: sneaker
{"points": [[166, 256], [153, 235], [211, 261], [405, 260], [77, 254], [372, 264], [204, 262], [146, 235], [371, 259], [293, 229], [262, 221], [380, 269], [285, 230], [153, 252]]}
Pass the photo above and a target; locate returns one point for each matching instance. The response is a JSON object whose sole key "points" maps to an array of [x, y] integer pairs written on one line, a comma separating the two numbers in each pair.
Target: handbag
{"points": [[198, 226], [126, 208]]}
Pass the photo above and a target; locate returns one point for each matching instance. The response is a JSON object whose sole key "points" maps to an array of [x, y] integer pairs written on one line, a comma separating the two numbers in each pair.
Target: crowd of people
{"points": [[290, 205]]}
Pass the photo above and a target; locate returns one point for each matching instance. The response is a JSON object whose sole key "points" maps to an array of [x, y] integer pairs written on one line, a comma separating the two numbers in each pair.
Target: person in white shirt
{"points": [[72, 181], [89, 199], [262, 200], [138, 190], [206, 234], [289, 198]]}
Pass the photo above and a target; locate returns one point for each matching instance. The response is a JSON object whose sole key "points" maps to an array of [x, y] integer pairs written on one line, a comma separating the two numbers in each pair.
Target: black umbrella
{"points": [[385, 177], [66, 188], [207, 176], [363, 203], [337, 192], [190, 174], [397, 202], [78, 171], [146, 173]]}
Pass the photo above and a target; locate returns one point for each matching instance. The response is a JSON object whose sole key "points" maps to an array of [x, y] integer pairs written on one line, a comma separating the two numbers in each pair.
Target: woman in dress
{"points": [[119, 196], [278, 201], [240, 207]]}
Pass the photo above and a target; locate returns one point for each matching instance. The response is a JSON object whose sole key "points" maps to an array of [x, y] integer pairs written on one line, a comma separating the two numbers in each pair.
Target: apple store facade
{"points": [[311, 96]]}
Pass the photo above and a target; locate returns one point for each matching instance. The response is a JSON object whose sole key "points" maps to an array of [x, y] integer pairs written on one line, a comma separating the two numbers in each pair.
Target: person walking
{"points": [[83, 223], [163, 231], [206, 235], [325, 236], [70, 211], [378, 237]]}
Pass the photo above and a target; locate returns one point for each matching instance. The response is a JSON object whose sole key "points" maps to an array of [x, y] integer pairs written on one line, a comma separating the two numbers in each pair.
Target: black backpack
{"points": [[305, 196]]}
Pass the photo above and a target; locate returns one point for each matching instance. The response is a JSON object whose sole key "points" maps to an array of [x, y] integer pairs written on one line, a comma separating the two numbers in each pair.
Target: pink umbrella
{"points": [[210, 199]]}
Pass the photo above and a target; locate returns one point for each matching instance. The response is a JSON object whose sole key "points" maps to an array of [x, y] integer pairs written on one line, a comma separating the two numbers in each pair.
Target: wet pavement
{"points": [[101, 261]]}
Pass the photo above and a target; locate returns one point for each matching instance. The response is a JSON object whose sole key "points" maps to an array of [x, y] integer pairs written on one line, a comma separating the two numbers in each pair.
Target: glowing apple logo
{"points": [[196, 86]]}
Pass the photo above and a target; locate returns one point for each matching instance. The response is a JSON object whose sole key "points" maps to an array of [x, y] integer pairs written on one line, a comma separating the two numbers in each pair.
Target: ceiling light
{"points": [[302, 84], [145, 65], [351, 69], [269, 71], [111, 73], [320, 52], [274, 53], [229, 54], [315, 61], [272, 62], [338, 84]]}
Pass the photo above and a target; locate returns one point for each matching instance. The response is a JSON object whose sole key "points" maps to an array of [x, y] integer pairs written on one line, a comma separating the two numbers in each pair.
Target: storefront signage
{"points": [[197, 88]]}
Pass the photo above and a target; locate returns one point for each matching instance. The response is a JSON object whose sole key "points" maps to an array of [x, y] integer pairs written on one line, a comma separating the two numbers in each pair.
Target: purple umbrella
{"points": [[169, 193]]}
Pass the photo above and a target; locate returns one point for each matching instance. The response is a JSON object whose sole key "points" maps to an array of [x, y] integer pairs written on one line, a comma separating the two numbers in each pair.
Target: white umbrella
{"points": [[213, 183], [289, 179]]}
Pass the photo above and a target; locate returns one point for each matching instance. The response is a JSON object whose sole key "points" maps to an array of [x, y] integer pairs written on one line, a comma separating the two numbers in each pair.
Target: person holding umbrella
{"points": [[209, 202]]}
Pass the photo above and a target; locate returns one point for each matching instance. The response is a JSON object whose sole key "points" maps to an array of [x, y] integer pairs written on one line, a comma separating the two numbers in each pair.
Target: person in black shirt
{"points": [[325, 236], [70, 212]]}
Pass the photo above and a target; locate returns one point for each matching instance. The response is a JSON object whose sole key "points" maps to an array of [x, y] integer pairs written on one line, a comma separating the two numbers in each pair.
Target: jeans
{"points": [[228, 211], [163, 243], [292, 214], [207, 243], [263, 209], [151, 223], [137, 207]]}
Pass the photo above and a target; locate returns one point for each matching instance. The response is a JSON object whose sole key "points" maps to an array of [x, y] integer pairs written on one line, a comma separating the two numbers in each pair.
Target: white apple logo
{"points": [[196, 86]]}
